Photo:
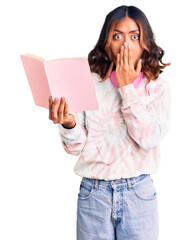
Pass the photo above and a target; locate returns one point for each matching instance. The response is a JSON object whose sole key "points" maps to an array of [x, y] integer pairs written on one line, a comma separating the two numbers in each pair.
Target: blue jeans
{"points": [[120, 209]]}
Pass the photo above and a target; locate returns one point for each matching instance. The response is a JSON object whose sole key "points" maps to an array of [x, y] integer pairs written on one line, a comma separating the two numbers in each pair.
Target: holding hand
{"points": [[61, 115], [125, 72]]}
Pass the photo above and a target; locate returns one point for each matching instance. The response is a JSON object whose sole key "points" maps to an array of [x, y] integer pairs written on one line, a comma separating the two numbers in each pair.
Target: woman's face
{"points": [[127, 30]]}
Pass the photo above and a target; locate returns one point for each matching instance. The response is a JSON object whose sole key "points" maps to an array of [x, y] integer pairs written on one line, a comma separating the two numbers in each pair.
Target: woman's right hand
{"points": [[61, 115]]}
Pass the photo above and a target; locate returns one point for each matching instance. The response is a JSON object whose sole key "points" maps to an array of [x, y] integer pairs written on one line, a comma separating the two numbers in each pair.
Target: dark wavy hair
{"points": [[101, 59]]}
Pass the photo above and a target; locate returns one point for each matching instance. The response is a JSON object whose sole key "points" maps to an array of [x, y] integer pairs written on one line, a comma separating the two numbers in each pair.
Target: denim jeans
{"points": [[120, 209]]}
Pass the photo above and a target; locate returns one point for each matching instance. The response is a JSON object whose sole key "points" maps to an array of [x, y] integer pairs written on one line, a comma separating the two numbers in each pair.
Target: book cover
{"points": [[64, 77]]}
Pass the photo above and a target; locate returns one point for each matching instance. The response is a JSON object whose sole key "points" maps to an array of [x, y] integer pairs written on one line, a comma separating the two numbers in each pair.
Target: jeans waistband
{"points": [[108, 183]]}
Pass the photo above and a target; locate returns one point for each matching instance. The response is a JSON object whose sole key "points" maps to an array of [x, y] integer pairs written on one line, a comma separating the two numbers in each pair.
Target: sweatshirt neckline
{"points": [[136, 82]]}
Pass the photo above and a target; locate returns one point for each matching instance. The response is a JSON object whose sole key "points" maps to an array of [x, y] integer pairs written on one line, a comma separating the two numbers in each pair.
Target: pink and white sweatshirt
{"points": [[121, 139]]}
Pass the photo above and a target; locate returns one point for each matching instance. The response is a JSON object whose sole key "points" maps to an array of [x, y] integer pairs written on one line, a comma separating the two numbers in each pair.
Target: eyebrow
{"points": [[132, 31]]}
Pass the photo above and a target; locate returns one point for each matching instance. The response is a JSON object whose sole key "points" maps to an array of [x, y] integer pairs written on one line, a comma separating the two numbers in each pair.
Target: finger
{"points": [[117, 60], [61, 110], [54, 109], [66, 110], [50, 106], [121, 56], [139, 66], [125, 58], [130, 56]]}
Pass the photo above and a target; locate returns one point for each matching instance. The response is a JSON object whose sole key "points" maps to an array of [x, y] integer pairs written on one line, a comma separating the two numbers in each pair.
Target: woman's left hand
{"points": [[125, 71]]}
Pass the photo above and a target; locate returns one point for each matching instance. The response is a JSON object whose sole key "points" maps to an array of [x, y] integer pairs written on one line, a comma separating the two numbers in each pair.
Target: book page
{"points": [[34, 56], [35, 72], [71, 78]]}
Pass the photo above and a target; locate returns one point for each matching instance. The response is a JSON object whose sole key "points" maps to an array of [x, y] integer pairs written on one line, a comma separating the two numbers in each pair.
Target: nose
{"points": [[127, 40]]}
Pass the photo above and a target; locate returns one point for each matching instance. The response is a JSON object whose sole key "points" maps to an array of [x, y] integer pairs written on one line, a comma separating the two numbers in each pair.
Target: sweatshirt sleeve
{"points": [[73, 140], [147, 123]]}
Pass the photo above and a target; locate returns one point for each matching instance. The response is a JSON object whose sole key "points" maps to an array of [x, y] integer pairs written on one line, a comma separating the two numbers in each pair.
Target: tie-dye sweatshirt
{"points": [[121, 139]]}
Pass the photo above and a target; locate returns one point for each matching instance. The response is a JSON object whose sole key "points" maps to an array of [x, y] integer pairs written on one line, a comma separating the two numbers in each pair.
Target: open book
{"points": [[65, 77]]}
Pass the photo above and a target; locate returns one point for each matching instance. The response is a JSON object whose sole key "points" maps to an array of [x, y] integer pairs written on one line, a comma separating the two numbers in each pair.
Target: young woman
{"points": [[119, 143]]}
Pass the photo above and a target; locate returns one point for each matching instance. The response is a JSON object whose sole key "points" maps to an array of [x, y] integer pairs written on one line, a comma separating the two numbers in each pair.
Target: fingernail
{"points": [[129, 46], [122, 47], [55, 100], [50, 98], [62, 99], [125, 44]]}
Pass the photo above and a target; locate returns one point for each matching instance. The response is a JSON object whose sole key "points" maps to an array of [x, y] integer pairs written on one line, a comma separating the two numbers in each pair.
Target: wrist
{"points": [[69, 126], [124, 84]]}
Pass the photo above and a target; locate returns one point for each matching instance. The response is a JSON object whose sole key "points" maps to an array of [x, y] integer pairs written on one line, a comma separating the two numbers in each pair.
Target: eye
{"points": [[117, 36], [135, 37]]}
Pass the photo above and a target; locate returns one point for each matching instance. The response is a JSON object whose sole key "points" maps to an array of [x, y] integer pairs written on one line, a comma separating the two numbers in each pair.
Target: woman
{"points": [[119, 143]]}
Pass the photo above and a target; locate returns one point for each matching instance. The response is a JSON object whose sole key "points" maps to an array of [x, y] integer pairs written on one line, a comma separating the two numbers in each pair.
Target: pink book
{"points": [[65, 77]]}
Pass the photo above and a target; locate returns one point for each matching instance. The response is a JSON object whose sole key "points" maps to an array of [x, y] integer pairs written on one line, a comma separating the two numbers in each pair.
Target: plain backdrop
{"points": [[38, 187]]}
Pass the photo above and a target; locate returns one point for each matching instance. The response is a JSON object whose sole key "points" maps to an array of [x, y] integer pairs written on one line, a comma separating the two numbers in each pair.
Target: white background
{"points": [[38, 188]]}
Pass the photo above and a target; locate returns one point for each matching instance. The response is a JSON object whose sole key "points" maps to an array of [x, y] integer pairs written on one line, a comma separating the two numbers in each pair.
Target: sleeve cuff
{"points": [[128, 94], [69, 132]]}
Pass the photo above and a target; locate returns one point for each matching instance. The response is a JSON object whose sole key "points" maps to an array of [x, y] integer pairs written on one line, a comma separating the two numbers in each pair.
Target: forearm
{"points": [[146, 131], [74, 135], [147, 123]]}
